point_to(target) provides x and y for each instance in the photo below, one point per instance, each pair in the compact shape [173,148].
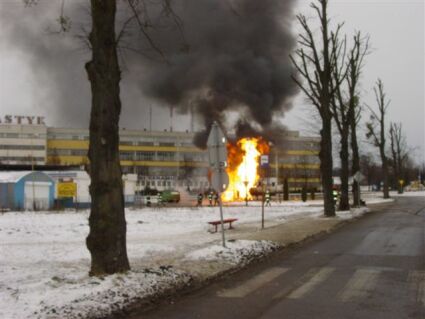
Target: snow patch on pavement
[237,252]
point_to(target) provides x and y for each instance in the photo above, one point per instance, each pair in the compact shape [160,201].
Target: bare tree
[107,238]
[376,131]
[399,153]
[316,61]
[345,105]
[356,63]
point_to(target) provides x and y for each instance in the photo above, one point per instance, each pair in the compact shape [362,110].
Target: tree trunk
[356,161]
[107,238]
[344,202]
[326,164]
[285,189]
[385,174]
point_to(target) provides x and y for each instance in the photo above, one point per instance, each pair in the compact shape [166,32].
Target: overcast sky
[396,28]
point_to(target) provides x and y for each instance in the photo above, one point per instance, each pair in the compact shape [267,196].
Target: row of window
[23,135]
[26,159]
[60,136]
[301,146]
[21,147]
[162,183]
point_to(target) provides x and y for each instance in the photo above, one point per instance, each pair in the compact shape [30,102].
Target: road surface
[372,268]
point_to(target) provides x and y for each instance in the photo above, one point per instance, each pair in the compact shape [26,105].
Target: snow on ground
[236,252]
[44,262]
[410,194]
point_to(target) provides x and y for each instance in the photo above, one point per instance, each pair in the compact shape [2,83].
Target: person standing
[215,199]
[210,197]
[200,198]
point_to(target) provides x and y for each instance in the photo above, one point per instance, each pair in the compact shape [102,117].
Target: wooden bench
[225,221]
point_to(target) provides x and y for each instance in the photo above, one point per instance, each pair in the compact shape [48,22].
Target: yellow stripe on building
[67,144]
[67,160]
[80,160]
[84,145]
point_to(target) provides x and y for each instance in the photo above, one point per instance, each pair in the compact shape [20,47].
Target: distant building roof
[12,177]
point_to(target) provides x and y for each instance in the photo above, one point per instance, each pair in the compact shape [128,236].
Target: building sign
[67,189]
[22,119]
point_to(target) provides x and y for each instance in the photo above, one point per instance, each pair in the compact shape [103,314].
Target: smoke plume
[236,59]
[225,61]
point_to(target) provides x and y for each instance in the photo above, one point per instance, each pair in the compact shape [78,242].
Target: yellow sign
[67,189]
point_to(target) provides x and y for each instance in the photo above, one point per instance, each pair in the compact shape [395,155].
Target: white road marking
[417,284]
[312,279]
[360,285]
[253,283]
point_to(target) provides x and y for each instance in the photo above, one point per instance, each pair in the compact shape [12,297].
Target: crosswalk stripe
[253,283]
[312,279]
[361,283]
[417,282]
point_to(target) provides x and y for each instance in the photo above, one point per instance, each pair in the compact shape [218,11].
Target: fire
[243,161]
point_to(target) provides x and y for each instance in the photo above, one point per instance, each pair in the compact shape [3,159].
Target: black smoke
[225,57]
[236,59]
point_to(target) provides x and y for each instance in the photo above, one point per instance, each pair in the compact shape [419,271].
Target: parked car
[170,196]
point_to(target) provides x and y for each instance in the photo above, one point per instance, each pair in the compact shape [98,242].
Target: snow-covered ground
[409,194]
[44,262]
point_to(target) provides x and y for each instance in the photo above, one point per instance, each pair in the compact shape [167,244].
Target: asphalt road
[372,268]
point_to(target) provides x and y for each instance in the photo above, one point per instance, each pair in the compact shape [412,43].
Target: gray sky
[396,28]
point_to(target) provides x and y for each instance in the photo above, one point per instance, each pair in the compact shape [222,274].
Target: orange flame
[243,161]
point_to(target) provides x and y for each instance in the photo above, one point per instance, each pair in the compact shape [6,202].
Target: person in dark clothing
[200,198]
[210,197]
[215,199]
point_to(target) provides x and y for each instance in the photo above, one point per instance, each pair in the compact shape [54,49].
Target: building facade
[160,159]
[23,144]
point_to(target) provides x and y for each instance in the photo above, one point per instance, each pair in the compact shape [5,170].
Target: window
[166,156]
[22,147]
[126,156]
[145,156]
[167,144]
[145,143]
[25,159]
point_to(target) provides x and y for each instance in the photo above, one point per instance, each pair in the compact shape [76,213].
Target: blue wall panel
[19,195]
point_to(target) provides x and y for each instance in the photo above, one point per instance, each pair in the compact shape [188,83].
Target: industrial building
[160,159]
